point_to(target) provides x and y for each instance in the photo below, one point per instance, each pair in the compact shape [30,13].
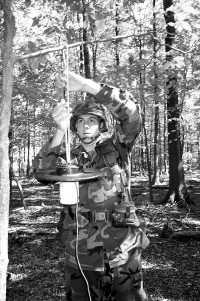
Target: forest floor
[36,260]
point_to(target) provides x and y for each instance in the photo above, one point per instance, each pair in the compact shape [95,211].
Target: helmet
[90,106]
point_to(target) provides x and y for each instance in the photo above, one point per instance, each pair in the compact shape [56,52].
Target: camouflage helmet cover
[90,106]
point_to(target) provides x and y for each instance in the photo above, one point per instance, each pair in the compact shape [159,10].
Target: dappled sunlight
[171,268]
[18,277]
[146,265]
[192,221]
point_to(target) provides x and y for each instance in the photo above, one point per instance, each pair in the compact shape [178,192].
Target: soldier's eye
[93,120]
[80,121]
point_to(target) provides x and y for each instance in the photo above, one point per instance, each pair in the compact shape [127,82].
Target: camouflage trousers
[123,283]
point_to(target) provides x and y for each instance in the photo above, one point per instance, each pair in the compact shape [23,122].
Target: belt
[94,216]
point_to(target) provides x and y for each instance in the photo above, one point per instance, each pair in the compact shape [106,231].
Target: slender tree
[155,179]
[117,32]
[142,97]
[177,188]
[5,113]
[86,38]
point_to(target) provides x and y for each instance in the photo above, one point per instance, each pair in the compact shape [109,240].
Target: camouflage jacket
[97,238]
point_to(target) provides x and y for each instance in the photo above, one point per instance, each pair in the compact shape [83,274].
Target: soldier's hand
[61,115]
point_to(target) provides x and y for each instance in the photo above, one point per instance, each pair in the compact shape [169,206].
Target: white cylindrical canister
[69,193]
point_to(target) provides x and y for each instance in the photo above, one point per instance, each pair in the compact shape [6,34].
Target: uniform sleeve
[124,108]
[62,232]
[46,158]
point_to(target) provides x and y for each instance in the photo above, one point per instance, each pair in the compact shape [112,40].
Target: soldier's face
[87,127]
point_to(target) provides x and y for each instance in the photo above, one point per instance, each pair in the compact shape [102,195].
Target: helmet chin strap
[90,145]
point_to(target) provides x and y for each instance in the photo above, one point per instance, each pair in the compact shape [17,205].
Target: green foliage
[46,24]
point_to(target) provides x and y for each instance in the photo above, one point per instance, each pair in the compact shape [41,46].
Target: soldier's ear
[101,125]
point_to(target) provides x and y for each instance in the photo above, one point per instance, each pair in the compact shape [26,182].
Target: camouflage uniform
[108,255]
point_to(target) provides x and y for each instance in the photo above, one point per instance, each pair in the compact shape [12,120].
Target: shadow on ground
[36,259]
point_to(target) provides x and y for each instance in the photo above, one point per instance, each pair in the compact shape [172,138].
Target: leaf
[23,49]
[171,8]
[96,16]
[59,7]
[27,3]
[126,2]
[131,59]
[161,100]
[168,65]
[92,16]
[57,29]
[36,21]
[42,59]
[186,26]
[34,64]
[196,25]
[80,9]
[47,31]
[32,46]
[109,66]
[99,25]
[179,61]
[195,36]
[143,61]
[171,23]
[190,10]
[71,35]
[126,25]
[51,57]
[92,21]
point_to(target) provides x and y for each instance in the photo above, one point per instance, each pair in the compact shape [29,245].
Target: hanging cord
[77,258]
[67,142]
[67,129]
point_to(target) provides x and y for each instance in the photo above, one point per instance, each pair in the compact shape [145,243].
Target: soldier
[110,237]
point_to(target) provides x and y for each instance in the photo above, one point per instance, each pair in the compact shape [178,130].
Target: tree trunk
[142,143]
[148,161]
[10,136]
[81,47]
[94,59]
[165,140]
[27,146]
[5,112]
[28,153]
[177,188]
[86,47]
[142,97]
[117,31]
[19,160]
[155,179]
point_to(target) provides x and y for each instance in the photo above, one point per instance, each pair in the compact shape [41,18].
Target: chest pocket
[108,187]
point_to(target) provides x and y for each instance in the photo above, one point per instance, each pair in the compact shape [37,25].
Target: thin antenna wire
[67,142]
[77,258]
[67,129]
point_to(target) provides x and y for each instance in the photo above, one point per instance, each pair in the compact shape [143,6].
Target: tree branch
[61,47]
[167,45]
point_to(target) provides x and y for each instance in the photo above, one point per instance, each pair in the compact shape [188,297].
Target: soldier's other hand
[75,82]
